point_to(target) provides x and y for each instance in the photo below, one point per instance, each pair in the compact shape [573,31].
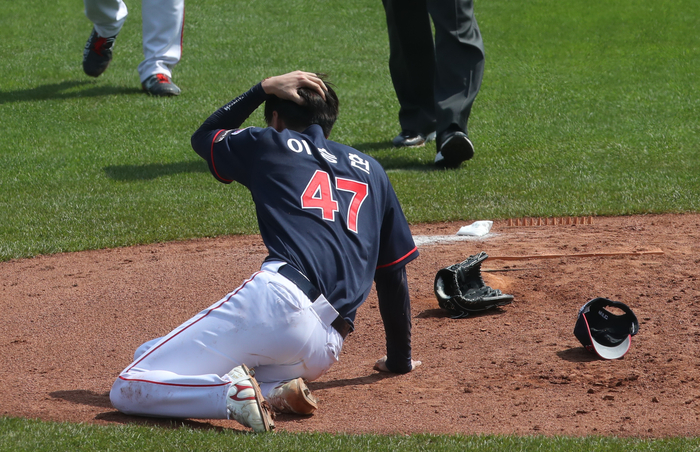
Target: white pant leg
[273,375]
[107,16]
[163,22]
[267,324]
[143,348]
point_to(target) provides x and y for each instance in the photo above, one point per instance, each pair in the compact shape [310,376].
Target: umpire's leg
[412,62]
[459,62]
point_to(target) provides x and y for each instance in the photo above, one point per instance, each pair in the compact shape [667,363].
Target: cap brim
[607,352]
[612,352]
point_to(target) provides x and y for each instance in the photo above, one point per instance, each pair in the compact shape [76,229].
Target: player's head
[314,111]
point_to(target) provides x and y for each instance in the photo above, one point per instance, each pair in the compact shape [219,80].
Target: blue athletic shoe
[97,54]
[160,85]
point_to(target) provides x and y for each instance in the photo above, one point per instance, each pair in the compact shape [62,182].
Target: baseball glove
[460,288]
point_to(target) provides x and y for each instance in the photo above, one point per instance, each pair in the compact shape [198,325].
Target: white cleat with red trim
[245,402]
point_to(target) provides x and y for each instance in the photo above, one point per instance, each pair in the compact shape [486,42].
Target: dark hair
[314,111]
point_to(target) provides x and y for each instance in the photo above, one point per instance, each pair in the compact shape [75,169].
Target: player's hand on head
[285,86]
[380,365]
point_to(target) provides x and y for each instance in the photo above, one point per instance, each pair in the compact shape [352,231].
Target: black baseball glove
[460,288]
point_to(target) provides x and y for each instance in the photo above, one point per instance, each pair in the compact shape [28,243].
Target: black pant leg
[459,61]
[412,62]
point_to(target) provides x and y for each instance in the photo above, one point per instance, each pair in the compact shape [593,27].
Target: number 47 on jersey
[319,195]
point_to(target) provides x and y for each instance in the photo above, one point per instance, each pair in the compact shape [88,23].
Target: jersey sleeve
[396,248]
[209,141]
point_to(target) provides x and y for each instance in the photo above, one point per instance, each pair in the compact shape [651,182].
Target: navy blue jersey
[323,207]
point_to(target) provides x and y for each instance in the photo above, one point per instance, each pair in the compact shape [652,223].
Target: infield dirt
[72,321]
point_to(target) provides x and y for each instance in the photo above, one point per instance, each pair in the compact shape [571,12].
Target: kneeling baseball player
[332,224]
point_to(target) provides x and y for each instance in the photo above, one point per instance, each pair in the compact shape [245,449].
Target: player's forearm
[230,116]
[395,309]
[233,114]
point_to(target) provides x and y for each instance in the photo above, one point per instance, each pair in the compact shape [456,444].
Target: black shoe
[453,149]
[412,139]
[160,85]
[97,54]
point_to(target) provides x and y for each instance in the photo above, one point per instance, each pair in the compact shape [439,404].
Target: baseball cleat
[97,54]
[293,397]
[412,139]
[453,150]
[245,402]
[160,85]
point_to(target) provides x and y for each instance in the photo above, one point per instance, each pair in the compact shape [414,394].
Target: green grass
[17,435]
[587,108]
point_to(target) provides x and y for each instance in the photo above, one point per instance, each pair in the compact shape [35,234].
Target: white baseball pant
[267,324]
[162,23]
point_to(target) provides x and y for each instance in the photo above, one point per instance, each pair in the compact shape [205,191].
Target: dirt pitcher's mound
[71,322]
